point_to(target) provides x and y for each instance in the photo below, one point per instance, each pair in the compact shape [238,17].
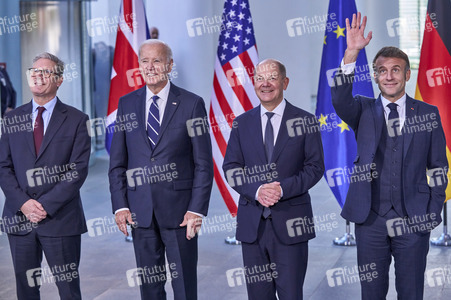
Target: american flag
[233,91]
[132,30]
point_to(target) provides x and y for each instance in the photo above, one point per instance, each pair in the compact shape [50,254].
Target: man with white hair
[161,174]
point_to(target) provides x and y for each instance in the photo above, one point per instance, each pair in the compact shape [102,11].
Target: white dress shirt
[46,114]
[276,121]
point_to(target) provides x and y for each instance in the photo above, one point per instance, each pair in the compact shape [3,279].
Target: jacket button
[34,194]
[152,159]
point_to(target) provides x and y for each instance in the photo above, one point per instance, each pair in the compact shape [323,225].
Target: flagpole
[347,239]
[445,239]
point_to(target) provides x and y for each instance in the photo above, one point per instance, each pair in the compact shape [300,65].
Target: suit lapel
[411,112]
[57,118]
[141,109]
[282,136]
[379,119]
[27,110]
[171,106]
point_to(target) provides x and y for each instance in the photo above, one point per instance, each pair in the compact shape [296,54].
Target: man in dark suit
[402,140]
[272,168]
[44,157]
[162,173]
[7,92]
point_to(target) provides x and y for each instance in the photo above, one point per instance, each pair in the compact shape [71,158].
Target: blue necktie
[153,122]
[269,137]
[269,147]
[392,116]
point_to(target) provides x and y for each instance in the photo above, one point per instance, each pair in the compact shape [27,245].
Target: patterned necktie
[394,123]
[153,122]
[38,132]
[269,147]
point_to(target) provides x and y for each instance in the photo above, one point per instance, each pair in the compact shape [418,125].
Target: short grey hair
[280,65]
[59,63]
[156,42]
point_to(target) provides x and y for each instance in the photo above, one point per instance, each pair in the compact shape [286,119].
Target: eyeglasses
[41,72]
[270,78]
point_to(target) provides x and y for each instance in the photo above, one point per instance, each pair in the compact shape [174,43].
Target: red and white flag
[233,91]
[132,30]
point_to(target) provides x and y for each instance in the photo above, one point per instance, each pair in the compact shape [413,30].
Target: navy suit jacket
[53,177]
[422,150]
[298,164]
[151,185]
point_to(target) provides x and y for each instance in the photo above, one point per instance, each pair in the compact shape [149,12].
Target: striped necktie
[153,122]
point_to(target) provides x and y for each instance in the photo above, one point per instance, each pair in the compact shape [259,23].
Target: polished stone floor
[106,256]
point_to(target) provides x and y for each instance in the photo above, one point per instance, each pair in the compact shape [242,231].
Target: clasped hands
[269,194]
[34,211]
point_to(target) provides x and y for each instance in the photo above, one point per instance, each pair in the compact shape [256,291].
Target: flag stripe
[239,90]
[128,10]
[218,159]
[247,82]
[442,11]
[229,94]
[248,64]
[231,205]
[222,144]
[225,107]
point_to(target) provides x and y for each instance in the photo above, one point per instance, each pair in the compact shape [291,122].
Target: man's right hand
[122,217]
[34,211]
[355,38]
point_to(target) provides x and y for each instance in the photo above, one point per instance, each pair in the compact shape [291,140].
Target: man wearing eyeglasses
[44,155]
[273,163]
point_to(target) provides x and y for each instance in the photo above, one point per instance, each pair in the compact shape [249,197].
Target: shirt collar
[163,94]
[49,106]
[401,101]
[278,110]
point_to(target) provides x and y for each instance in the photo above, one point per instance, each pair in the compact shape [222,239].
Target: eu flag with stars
[339,143]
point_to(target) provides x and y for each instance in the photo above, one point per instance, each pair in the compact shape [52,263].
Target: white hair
[155,42]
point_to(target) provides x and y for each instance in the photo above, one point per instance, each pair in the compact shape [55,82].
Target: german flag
[434,73]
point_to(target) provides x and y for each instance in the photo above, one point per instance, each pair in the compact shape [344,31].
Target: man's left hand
[193,223]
